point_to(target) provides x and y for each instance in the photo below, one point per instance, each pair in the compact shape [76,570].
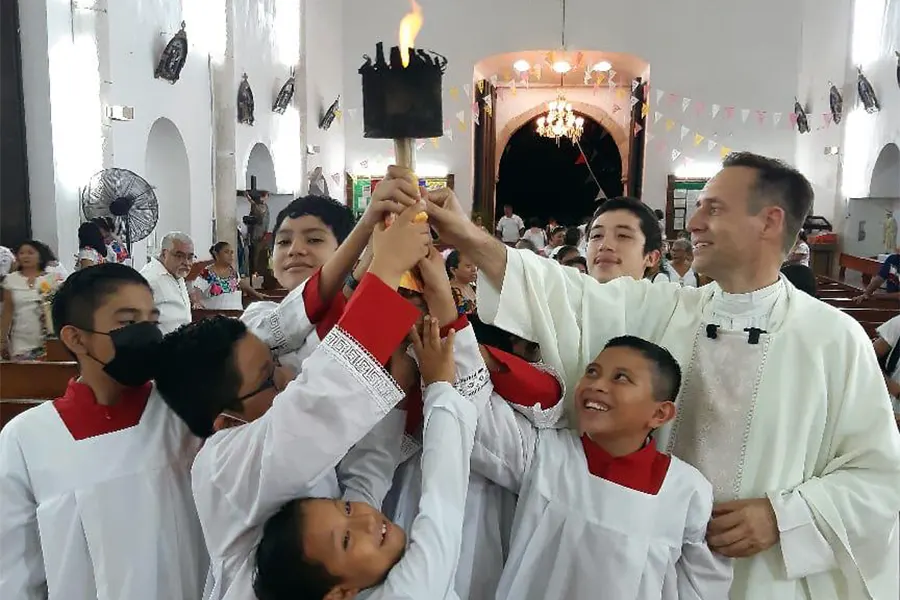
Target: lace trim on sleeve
[359,362]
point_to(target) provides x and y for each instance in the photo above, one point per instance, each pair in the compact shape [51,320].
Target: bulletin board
[359,189]
[681,202]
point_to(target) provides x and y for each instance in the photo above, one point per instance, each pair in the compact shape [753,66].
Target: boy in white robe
[294,433]
[604,510]
[322,549]
[95,497]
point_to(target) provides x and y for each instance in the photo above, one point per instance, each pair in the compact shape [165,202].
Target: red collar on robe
[84,418]
[643,471]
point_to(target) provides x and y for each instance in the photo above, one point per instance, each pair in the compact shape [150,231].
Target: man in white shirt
[510,227]
[805,469]
[166,277]
[887,348]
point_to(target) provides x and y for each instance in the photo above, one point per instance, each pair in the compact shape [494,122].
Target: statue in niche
[867,93]
[283,100]
[245,102]
[318,186]
[890,232]
[173,57]
[836,102]
[802,121]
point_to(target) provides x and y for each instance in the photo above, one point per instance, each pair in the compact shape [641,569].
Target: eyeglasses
[182,256]
[267,384]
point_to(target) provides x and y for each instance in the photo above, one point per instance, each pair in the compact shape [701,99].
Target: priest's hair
[283,571]
[335,215]
[666,372]
[86,290]
[197,375]
[778,184]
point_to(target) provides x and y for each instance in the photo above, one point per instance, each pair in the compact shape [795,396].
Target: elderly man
[166,277]
[783,406]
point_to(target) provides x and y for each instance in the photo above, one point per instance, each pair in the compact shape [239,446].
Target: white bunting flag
[634,84]
[776,118]
[467,88]
[685,102]
[364,164]
[494,80]
[715,110]
[587,77]
[650,136]
[488,105]
[612,74]
[461,116]
[684,131]
[634,101]
[449,134]
[675,155]
[657,116]
[659,95]
[420,144]
[745,114]
[351,113]
[710,144]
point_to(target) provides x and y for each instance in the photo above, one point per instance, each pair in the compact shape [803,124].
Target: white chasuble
[821,444]
[114,512]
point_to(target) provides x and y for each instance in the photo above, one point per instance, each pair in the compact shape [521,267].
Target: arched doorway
[541,179]
[167,169]
[260,164]
[885,181]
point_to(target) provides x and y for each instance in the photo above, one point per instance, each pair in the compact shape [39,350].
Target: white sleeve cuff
[803,547]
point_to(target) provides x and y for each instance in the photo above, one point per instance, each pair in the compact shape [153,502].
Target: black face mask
[137,351]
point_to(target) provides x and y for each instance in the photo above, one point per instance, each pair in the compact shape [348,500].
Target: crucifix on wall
[257,223]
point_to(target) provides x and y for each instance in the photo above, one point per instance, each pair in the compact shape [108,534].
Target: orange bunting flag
[436,142]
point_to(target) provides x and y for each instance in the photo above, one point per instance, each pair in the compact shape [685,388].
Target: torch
[402,98]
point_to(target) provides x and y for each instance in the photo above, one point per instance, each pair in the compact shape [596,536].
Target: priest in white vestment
[783,407]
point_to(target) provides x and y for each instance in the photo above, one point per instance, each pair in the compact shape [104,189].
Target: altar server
[95,497]
[322,549]
[295,434]
[805,469]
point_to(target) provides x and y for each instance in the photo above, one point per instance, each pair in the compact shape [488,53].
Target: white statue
[890,233]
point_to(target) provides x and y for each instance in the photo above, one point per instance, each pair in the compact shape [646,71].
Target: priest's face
[353,541]
[616,247]
[302,245]
[615,397]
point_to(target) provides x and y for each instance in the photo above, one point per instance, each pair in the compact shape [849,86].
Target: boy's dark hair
[648,221]
[334,214]
[777,184]
[197,375]
[45,254]
[802,277]
[573,236]
[563,251]
[576,260]
[534,222]
[666,371]
[86,290]
[283,571]
[216,248]
[89,236]
[557,229]
[451,262]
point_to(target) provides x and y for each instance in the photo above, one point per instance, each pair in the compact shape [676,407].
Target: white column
[225,121]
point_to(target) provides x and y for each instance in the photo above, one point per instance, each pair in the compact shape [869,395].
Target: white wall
[325,26]
[741,54]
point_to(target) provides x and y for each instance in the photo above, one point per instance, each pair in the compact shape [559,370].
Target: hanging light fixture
[560,121]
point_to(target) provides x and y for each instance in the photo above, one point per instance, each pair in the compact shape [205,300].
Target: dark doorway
[540,179]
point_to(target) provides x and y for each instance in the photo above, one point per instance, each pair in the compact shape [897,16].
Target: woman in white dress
[680,270]
[220,285]
[25,317]
[92,249]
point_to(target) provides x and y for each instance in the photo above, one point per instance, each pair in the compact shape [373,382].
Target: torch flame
[409,28]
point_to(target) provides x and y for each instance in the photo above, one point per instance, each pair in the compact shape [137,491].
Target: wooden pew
[56,351]
[27,384]
[871,315]
[868,267]
[847,302]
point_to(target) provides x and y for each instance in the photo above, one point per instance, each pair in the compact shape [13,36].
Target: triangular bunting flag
[724,151]
[580,160]
[610,83]
[659,95]
[729,112]
[745,114]
[675,155]
[710,144]
[761,116]
[364,164]
[827,118]
[538,71]
[634,84]
[338,115]
[684,131]
[612,74]
[616,108]
[671,98]
[351,113]
[449,134]
[494,79]
[776,118]
[645,110]
[461,116]
[637,128]
[436,142]
[685,102]
[697,139]
[420,144]
[657,116]
[488,105]
[587,77]
[715,110]
[479,85]
[512,86]
[599,78]
[454,92]
[669,124]
[620,92]
[793,118]
[501,93]
[699,107]
[467,88]
[524,76]
[650,136]
[336,178]
[634,101]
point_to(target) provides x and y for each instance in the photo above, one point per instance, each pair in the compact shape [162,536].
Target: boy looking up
[95,498]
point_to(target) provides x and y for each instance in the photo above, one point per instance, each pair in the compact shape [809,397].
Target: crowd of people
[582,419]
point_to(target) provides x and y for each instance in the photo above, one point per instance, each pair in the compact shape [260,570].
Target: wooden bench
[871,315]
[27,384]
[56,351]
[847,302]
[868,267]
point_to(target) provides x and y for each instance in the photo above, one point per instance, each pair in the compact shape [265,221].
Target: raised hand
[446,215]
[436,361]
[395,192]
[437,292]
[400,246]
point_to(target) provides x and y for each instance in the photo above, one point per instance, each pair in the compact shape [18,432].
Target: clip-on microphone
[754,332]
[712,331]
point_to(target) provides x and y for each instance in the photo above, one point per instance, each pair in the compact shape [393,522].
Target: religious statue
[802,121]
[890,232]
[318,186]
[898,67]
[257,223]
[173,57]
[283,100]
[867,93]
[245,102]
[836,102]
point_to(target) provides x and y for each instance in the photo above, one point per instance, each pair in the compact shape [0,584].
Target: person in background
[577,262]
[479,222]
[535,234]
[889,275]
[575,237]
[661,219]
[887,348]
[566,253]
[800,252]
[116,251]
[25,321]
[510,227]
[552,224]
[802,278]
[95,485]
[679,266]
[166,274]
[219,284]
[524,244]
[257,227]
[462,274]
[623,240]
[557,238]
[92,249]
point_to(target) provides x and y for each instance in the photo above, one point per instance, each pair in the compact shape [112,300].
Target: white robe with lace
[808,419]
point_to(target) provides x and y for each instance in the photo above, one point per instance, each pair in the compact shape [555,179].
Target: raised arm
[367,471]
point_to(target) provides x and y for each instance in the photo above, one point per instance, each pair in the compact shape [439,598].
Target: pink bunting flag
[715,110]
[761,116]
[637,128]
[699,108]
[792,117]
[827,117]
[671,97]
[729,112]
[420,144]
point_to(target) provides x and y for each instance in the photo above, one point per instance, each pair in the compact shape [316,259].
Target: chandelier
[560,121]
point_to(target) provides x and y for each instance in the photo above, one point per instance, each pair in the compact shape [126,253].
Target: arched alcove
[167,169]
[885,181]
[260,164]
